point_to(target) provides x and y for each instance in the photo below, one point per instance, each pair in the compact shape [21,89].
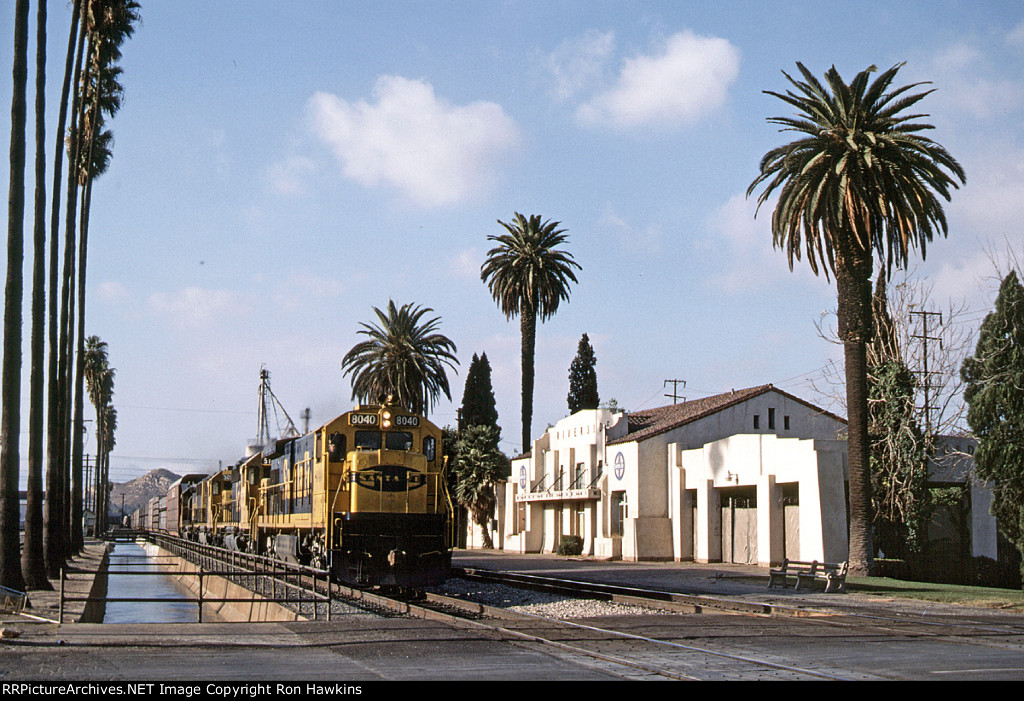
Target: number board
[411,421]
[362,419]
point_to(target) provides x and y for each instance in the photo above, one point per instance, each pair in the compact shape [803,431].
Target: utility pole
[675,387]
[305,421]
[925,372]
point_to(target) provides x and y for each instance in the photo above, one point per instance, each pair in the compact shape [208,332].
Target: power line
[190,411]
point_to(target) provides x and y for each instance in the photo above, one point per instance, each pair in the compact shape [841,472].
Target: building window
[785,423]
[771,419]
[757,421]
[578,482]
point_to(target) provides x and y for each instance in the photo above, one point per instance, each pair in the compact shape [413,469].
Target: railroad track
[966,627]
[708,638]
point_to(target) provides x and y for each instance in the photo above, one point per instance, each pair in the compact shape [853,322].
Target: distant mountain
[139,491]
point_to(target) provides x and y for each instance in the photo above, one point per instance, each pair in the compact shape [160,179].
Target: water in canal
[130,556]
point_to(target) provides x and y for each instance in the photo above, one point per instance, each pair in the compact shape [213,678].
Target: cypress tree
[478,405]
[995,407]
[583,378]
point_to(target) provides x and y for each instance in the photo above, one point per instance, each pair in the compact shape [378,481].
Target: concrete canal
[170,608]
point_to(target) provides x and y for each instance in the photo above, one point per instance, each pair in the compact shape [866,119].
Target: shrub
[570,545]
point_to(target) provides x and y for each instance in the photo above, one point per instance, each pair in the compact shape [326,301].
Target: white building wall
[766,462]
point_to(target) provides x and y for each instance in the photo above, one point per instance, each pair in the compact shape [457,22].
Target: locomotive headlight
[387,419]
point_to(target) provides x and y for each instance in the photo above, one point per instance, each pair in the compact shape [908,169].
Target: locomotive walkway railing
[288,584]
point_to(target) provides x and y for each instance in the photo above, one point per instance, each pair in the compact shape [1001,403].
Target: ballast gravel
[537,603]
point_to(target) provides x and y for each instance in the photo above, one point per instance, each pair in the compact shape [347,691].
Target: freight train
[363,496]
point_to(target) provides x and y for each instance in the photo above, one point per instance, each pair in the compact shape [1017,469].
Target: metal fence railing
[270,580]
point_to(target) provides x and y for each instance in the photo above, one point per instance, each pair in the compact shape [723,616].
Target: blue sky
[281,168]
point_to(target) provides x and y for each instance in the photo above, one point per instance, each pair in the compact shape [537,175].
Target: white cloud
[738,250]
[113,292]
[434,152]
[195,307]
[289,176]
[630,236]
[687,79]
[466,264]
[967,79]
[1015,37]
[577,63]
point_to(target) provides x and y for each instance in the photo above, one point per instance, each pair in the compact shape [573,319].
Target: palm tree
[10,404]
[106,24]
[404,359]
[33,562]
[56,424]
[861,181]
[479,465]
[99,378]
[528,277]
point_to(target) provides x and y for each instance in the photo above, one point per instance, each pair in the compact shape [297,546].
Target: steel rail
[497,612]
[655,598]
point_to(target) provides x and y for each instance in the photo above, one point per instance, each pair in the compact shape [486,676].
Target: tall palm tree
[99,379]
[860,182]
[528,277]
[33,563]
[10,404]
[404,359]
[56,425]
[106,25]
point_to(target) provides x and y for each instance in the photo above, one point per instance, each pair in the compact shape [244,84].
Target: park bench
[832,573]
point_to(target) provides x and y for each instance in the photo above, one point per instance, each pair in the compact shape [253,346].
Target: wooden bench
[832,573]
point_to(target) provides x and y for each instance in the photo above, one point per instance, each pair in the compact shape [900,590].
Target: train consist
[363,495]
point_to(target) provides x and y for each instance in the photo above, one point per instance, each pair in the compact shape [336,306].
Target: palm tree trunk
[853,282]
[55,428]
[10,422]
[33,563]
[78,448]
[528,328]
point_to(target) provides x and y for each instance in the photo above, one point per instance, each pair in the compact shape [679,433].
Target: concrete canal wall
[255,609]
[94,611]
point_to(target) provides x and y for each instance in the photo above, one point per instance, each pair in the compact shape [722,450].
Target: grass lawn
[1012,599]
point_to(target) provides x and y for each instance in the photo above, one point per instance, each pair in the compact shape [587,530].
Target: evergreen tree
[583,378]
[478,405]
[994,377]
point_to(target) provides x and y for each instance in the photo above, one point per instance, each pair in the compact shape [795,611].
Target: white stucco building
[750,476]
[710,480]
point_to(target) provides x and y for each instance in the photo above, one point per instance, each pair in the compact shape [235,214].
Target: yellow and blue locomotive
[363,495]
